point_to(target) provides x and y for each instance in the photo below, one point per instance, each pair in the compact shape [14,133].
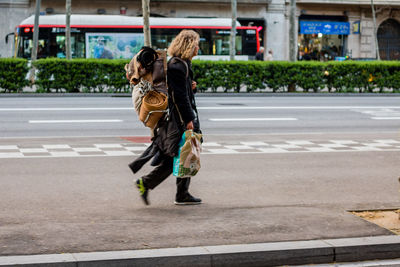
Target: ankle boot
[183,197]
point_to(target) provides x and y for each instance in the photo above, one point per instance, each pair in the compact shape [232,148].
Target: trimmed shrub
[13,74]
[104,75]
[81,75]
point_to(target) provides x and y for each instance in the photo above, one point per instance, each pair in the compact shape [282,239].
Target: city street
[273,169]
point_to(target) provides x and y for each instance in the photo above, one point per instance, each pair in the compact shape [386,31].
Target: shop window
[321,47]
[323,39]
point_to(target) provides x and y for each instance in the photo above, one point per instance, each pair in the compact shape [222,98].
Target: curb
[7,95]
[262,254]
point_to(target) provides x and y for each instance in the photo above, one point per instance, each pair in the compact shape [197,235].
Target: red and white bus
[115,36]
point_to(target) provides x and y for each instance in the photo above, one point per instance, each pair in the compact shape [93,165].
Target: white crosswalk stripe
[217,148]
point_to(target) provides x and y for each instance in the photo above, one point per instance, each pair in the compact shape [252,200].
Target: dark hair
[147,57]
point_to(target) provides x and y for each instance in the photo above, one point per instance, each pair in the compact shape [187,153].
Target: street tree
[68,29]
[146,24]
[232,44]
[35,40]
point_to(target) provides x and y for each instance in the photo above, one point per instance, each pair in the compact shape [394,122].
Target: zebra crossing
[214,148]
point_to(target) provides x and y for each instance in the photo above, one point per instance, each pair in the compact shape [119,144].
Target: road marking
[254,143]
[385,118]
[253,119]
[72,121]
[299,107]
[62,109]
[56,146]
[205,108]
[107,145]
[227,148]
[8,147]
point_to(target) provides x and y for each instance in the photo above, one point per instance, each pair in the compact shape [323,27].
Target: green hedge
[13,74]
[349,76]
[81,75]
[102,75]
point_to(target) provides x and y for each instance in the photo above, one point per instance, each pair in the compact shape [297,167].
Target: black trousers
[159,173]
[163,169]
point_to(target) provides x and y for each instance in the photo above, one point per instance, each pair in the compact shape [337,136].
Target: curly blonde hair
[184,44]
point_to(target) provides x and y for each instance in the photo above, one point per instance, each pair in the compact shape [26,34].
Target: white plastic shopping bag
[187,162]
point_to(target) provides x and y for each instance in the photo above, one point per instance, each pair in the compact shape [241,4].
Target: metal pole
[232,46]
[292,32]
[146,24]
[36,32]
[378,56]
[68,29]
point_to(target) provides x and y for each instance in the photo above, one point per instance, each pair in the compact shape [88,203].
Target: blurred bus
[115,36]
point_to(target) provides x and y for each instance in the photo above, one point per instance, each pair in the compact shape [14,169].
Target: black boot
[183,197]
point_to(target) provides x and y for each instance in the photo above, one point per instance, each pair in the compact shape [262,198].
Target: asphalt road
[65,185]
[72,116]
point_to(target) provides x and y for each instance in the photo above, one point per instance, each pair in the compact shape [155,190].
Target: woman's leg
[154,178]
[159,173]
[183,197]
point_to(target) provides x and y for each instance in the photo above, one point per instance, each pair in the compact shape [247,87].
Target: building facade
[315,21]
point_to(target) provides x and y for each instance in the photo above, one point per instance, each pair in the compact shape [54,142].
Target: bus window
[249,42]
[26,45]
[221,42]
[60,40]
[238,44]
[78,46]
[162,38]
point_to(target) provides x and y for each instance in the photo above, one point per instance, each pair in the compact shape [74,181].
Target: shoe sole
[187,203]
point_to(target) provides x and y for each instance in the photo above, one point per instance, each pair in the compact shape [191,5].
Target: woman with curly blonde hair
[184,45]
[181,90]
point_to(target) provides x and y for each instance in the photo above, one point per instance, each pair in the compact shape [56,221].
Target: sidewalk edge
[265,254]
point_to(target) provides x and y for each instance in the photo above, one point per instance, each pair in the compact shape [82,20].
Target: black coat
[180,77]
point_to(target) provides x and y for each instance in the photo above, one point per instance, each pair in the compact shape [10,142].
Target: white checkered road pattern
[134,149]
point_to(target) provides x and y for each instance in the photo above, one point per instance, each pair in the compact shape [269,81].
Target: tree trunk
[378,56]
[68,29]
[35,40]
[232,46]
[292,32]
[146,24]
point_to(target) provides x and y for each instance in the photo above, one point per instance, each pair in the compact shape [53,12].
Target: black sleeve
[176,76]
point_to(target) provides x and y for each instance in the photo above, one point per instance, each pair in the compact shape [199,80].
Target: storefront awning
[324,27]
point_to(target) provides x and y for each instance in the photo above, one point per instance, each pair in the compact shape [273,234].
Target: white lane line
[385,118]
[253,119]
[207,108]
[72,121]
[299,107]
[63,109]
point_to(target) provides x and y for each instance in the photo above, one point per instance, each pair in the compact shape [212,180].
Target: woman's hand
[194,84]
[190,126]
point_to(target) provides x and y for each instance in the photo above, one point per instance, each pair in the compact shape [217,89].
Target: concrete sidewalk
[270,203]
